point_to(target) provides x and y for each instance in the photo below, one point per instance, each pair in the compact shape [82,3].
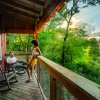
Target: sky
[89,15]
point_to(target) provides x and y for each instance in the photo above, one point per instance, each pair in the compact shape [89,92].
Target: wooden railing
[59,83]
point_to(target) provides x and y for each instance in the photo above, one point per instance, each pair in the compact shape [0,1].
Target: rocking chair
[4,81]
[5,78]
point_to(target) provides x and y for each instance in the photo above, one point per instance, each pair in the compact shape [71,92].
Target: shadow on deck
[23,91]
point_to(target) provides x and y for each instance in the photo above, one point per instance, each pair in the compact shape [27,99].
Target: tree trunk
[65,38]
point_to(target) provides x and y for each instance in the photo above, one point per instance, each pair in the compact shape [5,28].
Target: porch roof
[26,16]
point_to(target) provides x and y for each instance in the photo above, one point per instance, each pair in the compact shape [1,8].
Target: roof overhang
[26,16]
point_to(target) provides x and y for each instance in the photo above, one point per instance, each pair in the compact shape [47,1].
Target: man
[12,61]
[11,58]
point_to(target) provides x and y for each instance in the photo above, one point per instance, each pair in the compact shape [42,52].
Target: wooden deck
[23,91]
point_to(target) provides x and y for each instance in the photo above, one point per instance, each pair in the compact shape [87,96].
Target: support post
[35,32]
[52,88]
[35,35]
[3,47]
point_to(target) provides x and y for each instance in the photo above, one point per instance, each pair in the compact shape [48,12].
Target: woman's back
[35,52]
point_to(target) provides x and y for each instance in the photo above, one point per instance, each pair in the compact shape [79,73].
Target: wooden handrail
[23,53]
[80,87]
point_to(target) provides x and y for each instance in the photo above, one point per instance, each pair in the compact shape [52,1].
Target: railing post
[59,91]
[38,72]
[52,88]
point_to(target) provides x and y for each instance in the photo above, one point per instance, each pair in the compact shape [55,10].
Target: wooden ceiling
[26,16]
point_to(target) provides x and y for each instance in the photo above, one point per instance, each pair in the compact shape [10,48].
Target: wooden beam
[16,5]
[52,9]
[38,2]
[18,9]
[15,24]
[18,14]
[25,18]
[21,31]
[18,24]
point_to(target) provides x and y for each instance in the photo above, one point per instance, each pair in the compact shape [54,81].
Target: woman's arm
[39,51]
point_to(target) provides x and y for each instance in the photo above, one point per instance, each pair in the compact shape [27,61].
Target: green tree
[19,42]
[67,14]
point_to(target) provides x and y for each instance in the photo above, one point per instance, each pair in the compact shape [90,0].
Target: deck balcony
[51,82]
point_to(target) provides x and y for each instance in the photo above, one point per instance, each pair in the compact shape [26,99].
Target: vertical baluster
[52,88]
[38,72]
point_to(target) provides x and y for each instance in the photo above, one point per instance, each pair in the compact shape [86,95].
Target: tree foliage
[77,52]
[19,42]
[68,47]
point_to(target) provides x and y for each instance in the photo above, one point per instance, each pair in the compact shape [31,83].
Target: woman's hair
[35,42]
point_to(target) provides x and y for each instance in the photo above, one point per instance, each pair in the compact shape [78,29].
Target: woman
[36,52]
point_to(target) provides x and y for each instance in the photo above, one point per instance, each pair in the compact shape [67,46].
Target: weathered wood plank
[23,91]
[4,98]
[36,90]
[21,95]
[27,92]
[12,96]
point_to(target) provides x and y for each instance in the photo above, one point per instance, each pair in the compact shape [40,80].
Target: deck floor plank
[23,91]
